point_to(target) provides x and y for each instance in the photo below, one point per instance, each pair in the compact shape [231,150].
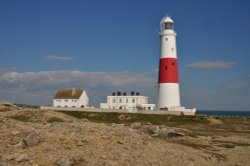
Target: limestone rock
[135,125]
[165,131]
[15,132]
[22,157]
[117,125]
[10,156]
[121,141]
[31,140]
[62,162]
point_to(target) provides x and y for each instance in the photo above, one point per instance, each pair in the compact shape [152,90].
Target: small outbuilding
[71,98]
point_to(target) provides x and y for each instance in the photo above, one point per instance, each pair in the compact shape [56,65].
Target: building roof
[68,94]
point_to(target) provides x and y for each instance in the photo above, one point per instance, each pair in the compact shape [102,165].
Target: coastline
[223,113]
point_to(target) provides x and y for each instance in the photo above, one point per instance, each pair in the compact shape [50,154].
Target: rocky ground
[30,136]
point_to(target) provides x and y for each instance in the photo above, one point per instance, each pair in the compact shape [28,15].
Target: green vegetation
[5,109]
[219,156]
[231,143]
[126,118]
[227,146]
[54,119]
[190,144]
[21,118]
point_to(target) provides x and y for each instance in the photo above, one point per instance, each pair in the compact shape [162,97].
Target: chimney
[73,91]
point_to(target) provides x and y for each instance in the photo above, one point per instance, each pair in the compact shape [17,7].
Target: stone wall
[115,110]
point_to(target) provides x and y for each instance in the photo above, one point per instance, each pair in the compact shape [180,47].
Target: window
[66,100]
[168,25]
[120,100]
[166,39]
[172,49]
[113,100]
[133,100]
[126,100]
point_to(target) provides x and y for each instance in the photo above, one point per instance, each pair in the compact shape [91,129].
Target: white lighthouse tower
[168,90]
[168,83]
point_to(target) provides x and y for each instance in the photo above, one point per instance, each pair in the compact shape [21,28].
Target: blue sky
[105,46]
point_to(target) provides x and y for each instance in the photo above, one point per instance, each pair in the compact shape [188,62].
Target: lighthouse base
[179,110]
[184,110]
[168,95]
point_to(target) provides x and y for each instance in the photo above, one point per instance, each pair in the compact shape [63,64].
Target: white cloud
[97,84]
[211,64]
[58,58]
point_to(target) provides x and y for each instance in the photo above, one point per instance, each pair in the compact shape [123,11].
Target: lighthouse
[168,80]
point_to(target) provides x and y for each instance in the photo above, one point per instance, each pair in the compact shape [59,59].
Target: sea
[224,113]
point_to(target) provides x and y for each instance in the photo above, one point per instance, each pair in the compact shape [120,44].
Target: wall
[65,102]
[118,111]
[83,100]
[115,102]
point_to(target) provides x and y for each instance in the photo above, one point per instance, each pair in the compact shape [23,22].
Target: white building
[131,102]
[71,98]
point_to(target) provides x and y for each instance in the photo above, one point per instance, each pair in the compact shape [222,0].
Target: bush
[54,119]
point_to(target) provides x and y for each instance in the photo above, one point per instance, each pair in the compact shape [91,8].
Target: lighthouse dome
[167,23]
[166,19]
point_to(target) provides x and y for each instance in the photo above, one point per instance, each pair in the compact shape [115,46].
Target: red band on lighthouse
[168,70]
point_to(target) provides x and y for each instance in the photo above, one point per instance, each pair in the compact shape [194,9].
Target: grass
[126,118]
[231,143]
[54,119]
[190,144]
[204,147]
[227,146]
[5,109]
[21,118]
[219,156]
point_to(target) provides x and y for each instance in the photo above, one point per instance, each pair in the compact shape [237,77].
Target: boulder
[164,131]
[62,162]
[135,125]
[22,157]
[31,140]
[117,124]
[10,156]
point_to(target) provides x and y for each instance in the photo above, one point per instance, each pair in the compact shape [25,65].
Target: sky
[113,45]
